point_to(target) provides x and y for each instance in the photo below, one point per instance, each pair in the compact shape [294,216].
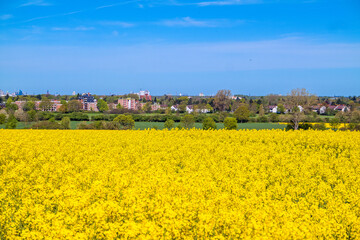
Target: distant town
[143,100]
[296,108]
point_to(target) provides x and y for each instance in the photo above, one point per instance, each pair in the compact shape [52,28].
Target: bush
[31,115]
[125,122]
[2,118]
[42,116]
[209,124]
[319,126]
[11,122]
[65,122]
[263,119]
[77,116]
[47,125]
[274,117]
[188,121]
[84,125]
[230,123]
[335,122]
[304,126]
[169,124]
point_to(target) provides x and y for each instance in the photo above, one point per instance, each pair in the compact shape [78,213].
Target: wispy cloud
[80,28]
[190,22]
[51,16]
[42,3]
[227,2]
[35,3]
[186,22]
[117,4]
[5,16]
[117,24]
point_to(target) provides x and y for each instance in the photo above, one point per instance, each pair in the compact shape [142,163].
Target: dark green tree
[188,121]
[2,118]
[125,122]
[11,122]
[28,106]
[74,106]
[209,124]
[230,123]
[65,122]
[169,124]
[45,104]
[242,113]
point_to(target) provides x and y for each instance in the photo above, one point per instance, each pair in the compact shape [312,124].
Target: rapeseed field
[179,184]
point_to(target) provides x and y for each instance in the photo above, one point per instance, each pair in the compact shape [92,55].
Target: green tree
[355,116]
[147,107]
[28,106]
[242,113]
[74,106]
[31,115]
[209,107]
[11,122]
[102,105]
[125,122]
[168,111]
[281,108]
[261,110]
[274,117]
[64,107]
[335,123]
[169,124]
[222,100]
[10,107]
[296,98]
[188,121]
[2,118]
[209,124]
[183,104]
[119,106]
[65,122]
[45,104]
[230,123]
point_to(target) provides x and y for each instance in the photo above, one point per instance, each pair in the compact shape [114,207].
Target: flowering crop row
[179,184]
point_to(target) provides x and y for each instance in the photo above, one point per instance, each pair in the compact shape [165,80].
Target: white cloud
[117,23]
[117,4]
[187,22]
[72,29]
[6,16]
[227,2]
[190,22]
[35,3]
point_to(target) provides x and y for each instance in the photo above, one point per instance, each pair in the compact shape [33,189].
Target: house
[20,104]
[203,110]
[56,104]
[128,103]
[89,103]
[301,109]
[273,108]
[189,109]
[155,107]
[144,95]
[342,108]
[322,110]
[175,108]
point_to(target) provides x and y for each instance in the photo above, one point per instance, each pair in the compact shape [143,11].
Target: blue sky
[251,47]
